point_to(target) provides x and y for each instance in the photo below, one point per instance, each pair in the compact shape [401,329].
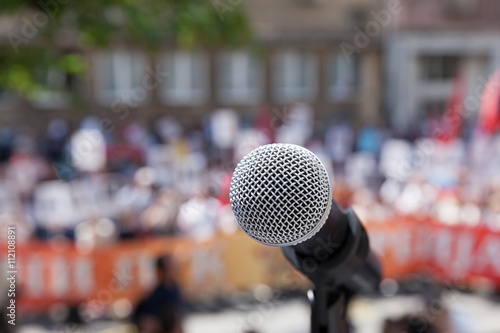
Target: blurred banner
[462,255]
[52,273]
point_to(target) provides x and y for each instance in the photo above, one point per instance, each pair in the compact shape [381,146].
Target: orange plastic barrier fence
[49,273]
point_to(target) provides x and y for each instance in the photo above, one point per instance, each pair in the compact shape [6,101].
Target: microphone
[281,195]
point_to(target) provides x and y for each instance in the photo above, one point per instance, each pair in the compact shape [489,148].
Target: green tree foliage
[38,41]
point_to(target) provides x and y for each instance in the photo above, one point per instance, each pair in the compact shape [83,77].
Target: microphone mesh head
[280,194]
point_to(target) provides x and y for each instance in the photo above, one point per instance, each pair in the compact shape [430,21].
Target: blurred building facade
[299,59]
[430,43]
[366,60]
[307,43]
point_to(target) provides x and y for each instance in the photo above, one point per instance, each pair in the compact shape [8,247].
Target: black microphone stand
[349,268]
[328,310]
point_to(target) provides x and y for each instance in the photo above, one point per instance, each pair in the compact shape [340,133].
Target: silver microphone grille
[280,194]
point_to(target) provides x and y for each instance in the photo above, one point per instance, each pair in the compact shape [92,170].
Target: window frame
[167,95]
[247,95]
[289,93]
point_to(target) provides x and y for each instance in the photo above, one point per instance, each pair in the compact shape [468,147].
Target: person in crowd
[161,311]
[147,201]
[6,144]
[55,140]
[160,217]
[198,216]
[339,140]
[369,141]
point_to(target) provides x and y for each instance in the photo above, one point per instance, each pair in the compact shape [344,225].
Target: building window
[461,8]
[119,77]
[435,107]
[54,93]
[4,95]
[240,78]
[344,77]
[359,16]
[438,68]
[295,77]
[186,80]
[7,99]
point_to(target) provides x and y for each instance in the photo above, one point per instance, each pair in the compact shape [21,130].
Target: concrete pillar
[371,84]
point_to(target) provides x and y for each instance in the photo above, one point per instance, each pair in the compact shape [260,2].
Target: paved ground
[469,314]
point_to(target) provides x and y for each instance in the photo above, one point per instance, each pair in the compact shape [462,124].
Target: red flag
[266,122]
[489,113]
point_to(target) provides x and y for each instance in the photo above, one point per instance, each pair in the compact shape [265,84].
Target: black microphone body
[338,260]
[338,255]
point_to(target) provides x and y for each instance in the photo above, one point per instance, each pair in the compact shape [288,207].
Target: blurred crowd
[97,183]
